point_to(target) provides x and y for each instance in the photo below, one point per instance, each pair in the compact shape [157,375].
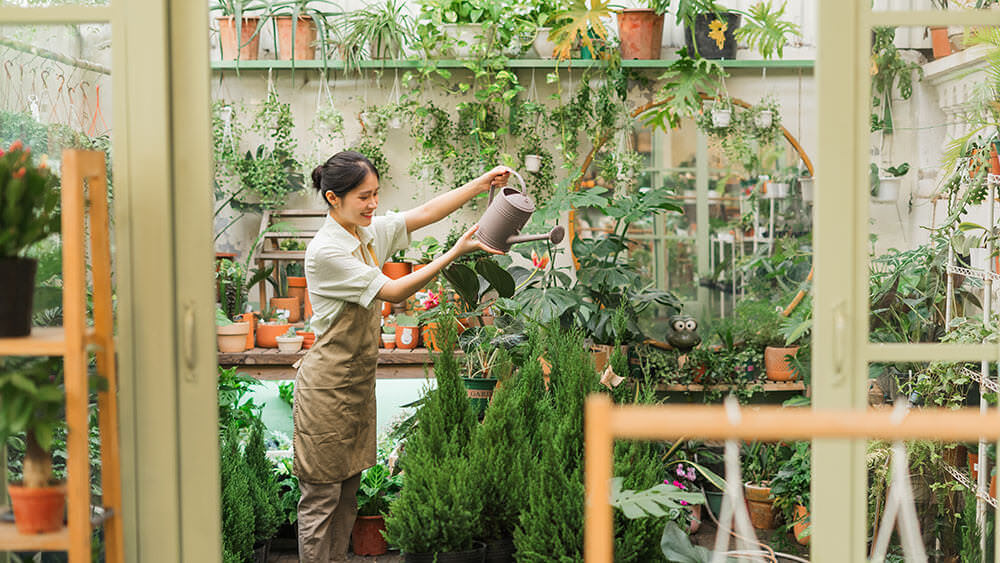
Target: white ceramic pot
[979,258]
[888,189]
[532,162]
[763,119]
[808,189]
[721,117]
[232,339]
[465,36]
[289,344]
[777,190]
[544,47]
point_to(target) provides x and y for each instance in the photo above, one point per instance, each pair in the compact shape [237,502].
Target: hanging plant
[763,121]
[371,147]
[431,130]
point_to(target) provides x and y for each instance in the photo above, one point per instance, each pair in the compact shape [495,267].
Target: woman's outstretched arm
[444,204]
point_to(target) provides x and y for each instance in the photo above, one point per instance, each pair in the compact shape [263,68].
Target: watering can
[506,215]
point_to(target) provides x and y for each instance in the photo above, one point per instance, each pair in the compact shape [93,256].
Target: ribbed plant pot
[500,550]
[776,367]
[475,555]
[308,339]
[249,42]
[480,392]
[290,304]
[38,510]
[289,344]
[760,506]
[366,537]
[232,339]
[17,289]
[305,35]
[641,34]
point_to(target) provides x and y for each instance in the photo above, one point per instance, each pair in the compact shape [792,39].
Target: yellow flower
[718,32]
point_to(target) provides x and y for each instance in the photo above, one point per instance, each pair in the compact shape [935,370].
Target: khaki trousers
[326,517]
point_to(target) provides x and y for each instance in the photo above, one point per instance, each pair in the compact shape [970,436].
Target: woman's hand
[467,244]
[494,178]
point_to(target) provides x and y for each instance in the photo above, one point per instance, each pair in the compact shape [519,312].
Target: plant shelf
[770,386]
[12,540]
[513,63]
[967,483]
[971,273]
[43,341]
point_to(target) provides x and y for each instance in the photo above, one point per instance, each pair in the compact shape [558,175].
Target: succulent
[29,201]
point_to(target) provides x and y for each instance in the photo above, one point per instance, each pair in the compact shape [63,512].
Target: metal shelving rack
[983,377]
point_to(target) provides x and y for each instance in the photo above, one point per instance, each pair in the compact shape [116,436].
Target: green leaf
[499,279]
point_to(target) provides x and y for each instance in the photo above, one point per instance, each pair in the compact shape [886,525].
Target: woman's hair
[342,173]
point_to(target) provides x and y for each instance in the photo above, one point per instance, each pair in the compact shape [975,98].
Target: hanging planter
[776,190]
[888,189]
[808,189]
[721,118]
[395,122]
[763,119]
[532,162]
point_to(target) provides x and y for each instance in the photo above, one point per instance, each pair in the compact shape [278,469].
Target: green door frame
[163,219]
[841,347]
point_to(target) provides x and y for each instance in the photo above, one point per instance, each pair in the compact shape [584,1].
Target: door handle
[189,341]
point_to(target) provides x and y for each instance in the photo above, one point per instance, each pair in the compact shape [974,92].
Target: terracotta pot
[641,33]
[939,41]
[386,308]
[305,35]
[249,40]
[407,337]
[367,536]
[418,266]
[232,339]
[388,341]
[38,510]
[429,335]
[695,510]
[250,319]
[775,365]
[994,160]
[297,289]
[290,304]
[267,334]
[396,270]
[308,339]
[761,507]
[801,523]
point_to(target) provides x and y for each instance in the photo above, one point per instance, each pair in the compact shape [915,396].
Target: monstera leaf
[581,21]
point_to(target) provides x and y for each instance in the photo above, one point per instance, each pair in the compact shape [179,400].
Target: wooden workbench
[269,364]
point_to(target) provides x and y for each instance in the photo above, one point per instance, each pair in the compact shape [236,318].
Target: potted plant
[231,337]
[712,31]
[295,40]
[760,464]
[808,186]
[380,29]
[378,488]
[429,248]
[274,323]
[760,327]
[239,34]
[885,188]
[289,342]
[29,196]
[397,266]
[407,332]
[790,490]
[641,30]
[33,400]
[282,299]
[389,336]
[308,336]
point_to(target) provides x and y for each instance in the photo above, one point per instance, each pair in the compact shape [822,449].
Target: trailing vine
[888,69]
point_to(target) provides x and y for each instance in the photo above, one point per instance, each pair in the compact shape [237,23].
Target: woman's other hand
[494,178]
[467,243]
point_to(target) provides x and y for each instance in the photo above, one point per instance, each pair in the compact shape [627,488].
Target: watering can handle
[524,187]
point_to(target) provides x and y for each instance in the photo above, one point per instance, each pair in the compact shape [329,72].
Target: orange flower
[539,263]
[45,162]
[20,172]
[15,145]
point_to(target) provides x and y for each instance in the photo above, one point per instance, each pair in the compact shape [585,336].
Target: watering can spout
[554,236]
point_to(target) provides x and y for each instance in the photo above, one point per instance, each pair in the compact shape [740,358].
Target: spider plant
[380,30]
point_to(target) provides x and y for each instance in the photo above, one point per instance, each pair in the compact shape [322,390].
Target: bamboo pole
[53,56]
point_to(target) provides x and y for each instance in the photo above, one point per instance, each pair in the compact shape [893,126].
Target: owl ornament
[682,333]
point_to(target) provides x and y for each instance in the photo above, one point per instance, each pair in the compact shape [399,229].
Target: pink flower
[691,474]
[680,470]
[432,300]
[683,503]
[679,485]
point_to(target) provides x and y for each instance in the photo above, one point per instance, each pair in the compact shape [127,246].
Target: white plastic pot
[544,47]
[532,162]
[808,189]
[979,259]
[763,119]
[289,344]
[888,189]
[465,36]
[777,190]
[395,122]
[721,117]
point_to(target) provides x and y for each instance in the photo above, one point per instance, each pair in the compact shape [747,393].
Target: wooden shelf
[513,63]
[43,341]
[767,387]
[12,540]
[271,356]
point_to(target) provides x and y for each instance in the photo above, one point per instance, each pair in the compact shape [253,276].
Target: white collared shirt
[340,268]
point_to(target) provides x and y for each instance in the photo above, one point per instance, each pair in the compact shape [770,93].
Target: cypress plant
[263,487]
[237,509]
[439,508]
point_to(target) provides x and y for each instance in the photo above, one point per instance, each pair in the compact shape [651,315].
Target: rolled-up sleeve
[337,274]
[391,235]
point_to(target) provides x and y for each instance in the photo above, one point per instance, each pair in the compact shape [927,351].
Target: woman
[334,410]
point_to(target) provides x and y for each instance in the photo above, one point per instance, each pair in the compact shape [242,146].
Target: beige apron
[334,406]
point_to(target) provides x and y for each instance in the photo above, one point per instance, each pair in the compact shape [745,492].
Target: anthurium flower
[539,263]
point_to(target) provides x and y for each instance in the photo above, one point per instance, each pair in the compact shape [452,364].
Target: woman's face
[357,207]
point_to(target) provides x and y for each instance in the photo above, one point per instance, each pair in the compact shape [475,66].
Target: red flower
[432,300]
[20,172]
[15,145]
[539,263]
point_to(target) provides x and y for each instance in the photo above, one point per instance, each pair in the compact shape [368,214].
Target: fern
[765,31]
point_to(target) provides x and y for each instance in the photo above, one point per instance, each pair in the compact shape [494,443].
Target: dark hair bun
[317,177]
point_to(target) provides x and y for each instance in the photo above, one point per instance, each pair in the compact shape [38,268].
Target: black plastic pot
[475,555]
[707,46]
[17,287]
[500,550]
